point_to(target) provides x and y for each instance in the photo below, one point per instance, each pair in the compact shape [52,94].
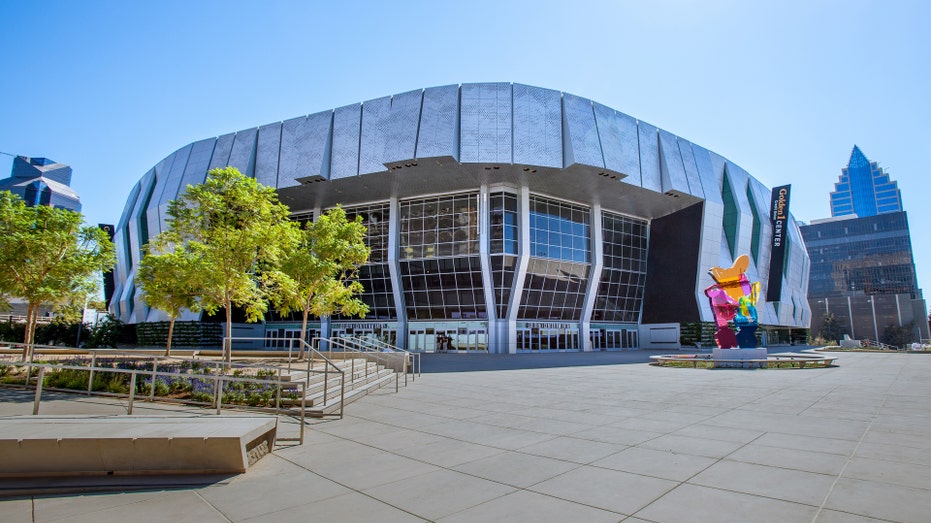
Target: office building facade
[503,217]
[40,181]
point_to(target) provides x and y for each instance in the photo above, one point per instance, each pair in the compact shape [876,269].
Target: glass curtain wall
[503,247]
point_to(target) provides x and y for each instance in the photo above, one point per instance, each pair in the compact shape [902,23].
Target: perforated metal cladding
[137,218]
[691,170]
[121,237]
[581,133]
[537,126]
[170,192]
[344,161]
[221,152]
[710,188]
[267,150]
[439,123]
[649,157]
[303,148]
[196,170]
[375,121]
[485,134]
[619,143]
[674,178]
[242,156]
[401,134]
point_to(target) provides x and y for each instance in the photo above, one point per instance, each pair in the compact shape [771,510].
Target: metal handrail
[414,357]
[218,380]
[346,347]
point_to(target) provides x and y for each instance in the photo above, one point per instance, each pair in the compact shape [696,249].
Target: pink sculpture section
[734,298]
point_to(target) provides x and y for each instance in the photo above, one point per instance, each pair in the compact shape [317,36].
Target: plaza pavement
[607,438]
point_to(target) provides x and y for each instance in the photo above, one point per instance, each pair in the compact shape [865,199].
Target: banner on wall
[779,217]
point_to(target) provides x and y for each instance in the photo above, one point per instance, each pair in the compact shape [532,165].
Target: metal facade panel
[619,143]
[739,179]
[344,161]
[376,116]
[221,152]
[267,153]
[580,133]
[197,165]
[649,157]
[673,171]
[304,144]
[486,131]
[138,214]
[439,123]
[401,134]
[242,155]
[691,169]
[169,178]
[710,188]
[537,133]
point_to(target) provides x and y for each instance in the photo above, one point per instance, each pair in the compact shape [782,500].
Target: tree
[48,257]
[830,327]
[238,231]
[165,276]
[322,268]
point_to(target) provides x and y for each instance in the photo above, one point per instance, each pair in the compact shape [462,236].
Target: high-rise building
[864,189]
[862,267]
[41,181]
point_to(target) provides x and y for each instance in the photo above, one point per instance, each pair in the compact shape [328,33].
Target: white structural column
[484,217]
[594,279]
[394,269]
[520,273]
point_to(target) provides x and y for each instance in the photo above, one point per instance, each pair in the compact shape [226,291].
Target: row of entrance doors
[448,340]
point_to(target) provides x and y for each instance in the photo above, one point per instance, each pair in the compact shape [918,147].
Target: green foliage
[106,333]
[186,334]
[233,232]
[898,336]
[164,275]
[322,267]
[830,328]
[49,257]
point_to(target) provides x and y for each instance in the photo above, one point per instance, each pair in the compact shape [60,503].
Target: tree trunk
[171,330]
[31,317]
[228,344]
[300,354]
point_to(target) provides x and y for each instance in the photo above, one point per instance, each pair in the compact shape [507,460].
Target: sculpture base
[740,358]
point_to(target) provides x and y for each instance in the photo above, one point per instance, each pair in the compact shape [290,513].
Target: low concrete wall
[40,446]
[659,336]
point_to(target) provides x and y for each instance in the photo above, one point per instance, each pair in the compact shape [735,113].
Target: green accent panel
[755,239]
[730,215]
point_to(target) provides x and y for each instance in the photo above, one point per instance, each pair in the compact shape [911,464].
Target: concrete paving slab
[153,506]
[891,472]
[572,449]
[348,508]
[659,464]
[880,500]
[530,507]
[438,494]
[696,504]
[772,482]
[610,490]
[516,469]
[804,460]
[710,448]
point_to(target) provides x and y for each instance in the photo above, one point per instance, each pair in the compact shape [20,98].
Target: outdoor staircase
[323,390]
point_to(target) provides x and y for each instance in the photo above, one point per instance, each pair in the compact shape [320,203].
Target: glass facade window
[559,230]
[444,288]
[439,226]
[864,189]
[623,277]
[554,290]
[374,276]
[503,223]
[502,273]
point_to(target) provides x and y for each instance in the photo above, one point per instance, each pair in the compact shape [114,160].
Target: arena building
[501,217]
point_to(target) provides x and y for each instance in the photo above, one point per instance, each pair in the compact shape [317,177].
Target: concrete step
[332,405]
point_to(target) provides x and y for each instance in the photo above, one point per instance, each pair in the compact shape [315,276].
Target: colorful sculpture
[733,298]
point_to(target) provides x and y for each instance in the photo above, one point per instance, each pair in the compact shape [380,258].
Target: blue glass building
[503,217]
[864,189]
[862,267]
[40,181]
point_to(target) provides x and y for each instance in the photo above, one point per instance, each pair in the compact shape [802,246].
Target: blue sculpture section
[733,298]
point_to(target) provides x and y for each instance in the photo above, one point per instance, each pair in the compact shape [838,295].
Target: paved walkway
[612,442]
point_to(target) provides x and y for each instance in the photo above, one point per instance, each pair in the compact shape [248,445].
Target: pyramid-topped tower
[864,189]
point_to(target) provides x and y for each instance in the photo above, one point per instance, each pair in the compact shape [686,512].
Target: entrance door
[596,339]
[417,340]
[523,339]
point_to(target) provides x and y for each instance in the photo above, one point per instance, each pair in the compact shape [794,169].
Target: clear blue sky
[784,89]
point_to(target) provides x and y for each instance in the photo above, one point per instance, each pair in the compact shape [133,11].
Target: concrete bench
[42,446]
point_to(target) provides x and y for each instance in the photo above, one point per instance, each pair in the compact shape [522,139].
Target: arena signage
[779,217]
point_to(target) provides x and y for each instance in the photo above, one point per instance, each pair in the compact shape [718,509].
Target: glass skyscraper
[864,189]
[862,267]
